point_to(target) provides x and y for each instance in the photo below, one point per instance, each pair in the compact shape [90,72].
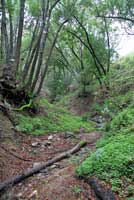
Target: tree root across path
[13,154]
[100,192]
[17,179]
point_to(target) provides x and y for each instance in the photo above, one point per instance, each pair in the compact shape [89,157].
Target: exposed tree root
[14,155]
[100,192]
[17,179]
[7,112]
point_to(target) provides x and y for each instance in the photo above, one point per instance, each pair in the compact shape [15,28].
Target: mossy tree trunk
[15,79]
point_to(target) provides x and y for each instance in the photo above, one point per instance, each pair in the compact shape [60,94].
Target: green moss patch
[112,162]
[54,120]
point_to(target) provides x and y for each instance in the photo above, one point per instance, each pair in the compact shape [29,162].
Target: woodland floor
[19,152]
[57,182]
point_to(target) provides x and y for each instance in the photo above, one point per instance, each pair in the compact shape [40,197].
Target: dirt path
[57,182]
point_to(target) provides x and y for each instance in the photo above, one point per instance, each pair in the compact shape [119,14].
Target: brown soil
[58,182]
[19,152]
[80,105]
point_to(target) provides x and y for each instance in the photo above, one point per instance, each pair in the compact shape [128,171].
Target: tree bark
[91,47]
[4,34]
[49,57]
[108,46]
[44,32]
[19,37]
[38,55]
[30,53]
[33,66]
[100,192]
[67,64]
[11,35]
[17,179]
[43,42]
[87,46]
[117,17]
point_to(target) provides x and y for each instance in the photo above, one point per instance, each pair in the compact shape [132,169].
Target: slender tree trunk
[86,45]
[67,63]
[39,48]
[33,67]
[11,35]
[43,43]
[38,52]
[15,36]
[44,32]
[99,79]
[28,65]
[82,68]
[91,47]
[19,37]
[4,34]
[2,44]
[81,57]
[49,57]
[108,45]
[30,53]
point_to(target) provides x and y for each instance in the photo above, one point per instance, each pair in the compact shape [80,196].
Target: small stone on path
[36,164]
[50,137]
[69,134]
[35,144]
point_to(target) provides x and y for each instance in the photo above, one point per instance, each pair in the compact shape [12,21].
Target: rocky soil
[19,151]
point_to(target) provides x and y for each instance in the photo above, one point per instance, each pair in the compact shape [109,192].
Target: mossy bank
[51,119]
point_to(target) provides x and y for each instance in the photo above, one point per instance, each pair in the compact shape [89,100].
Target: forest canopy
[59,41]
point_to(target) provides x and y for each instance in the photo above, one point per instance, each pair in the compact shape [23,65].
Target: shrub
[123,120]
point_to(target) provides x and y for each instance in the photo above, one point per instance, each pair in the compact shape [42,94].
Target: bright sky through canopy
[126,45]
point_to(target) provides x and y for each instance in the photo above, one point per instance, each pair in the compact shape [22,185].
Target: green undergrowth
[124,120]
[122,73]
[51,119]
[113,160]
[119,101]
[66,100]
[114,104]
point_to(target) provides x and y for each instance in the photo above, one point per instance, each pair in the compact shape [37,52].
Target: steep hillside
[113,162]
[53,129]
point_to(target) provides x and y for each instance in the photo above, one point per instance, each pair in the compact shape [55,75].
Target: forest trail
[56,182]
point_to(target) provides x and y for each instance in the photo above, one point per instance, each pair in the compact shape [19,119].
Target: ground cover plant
[52,120]
[113,161]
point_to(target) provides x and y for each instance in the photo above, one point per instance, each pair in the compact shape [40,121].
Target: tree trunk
[90,51]
[19,37]
[4,34]
[33,66]
[11,36]
[91,47]
[49,57]
[100,192]
[44,32]
[30,54]
[39,49]
[108,46]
